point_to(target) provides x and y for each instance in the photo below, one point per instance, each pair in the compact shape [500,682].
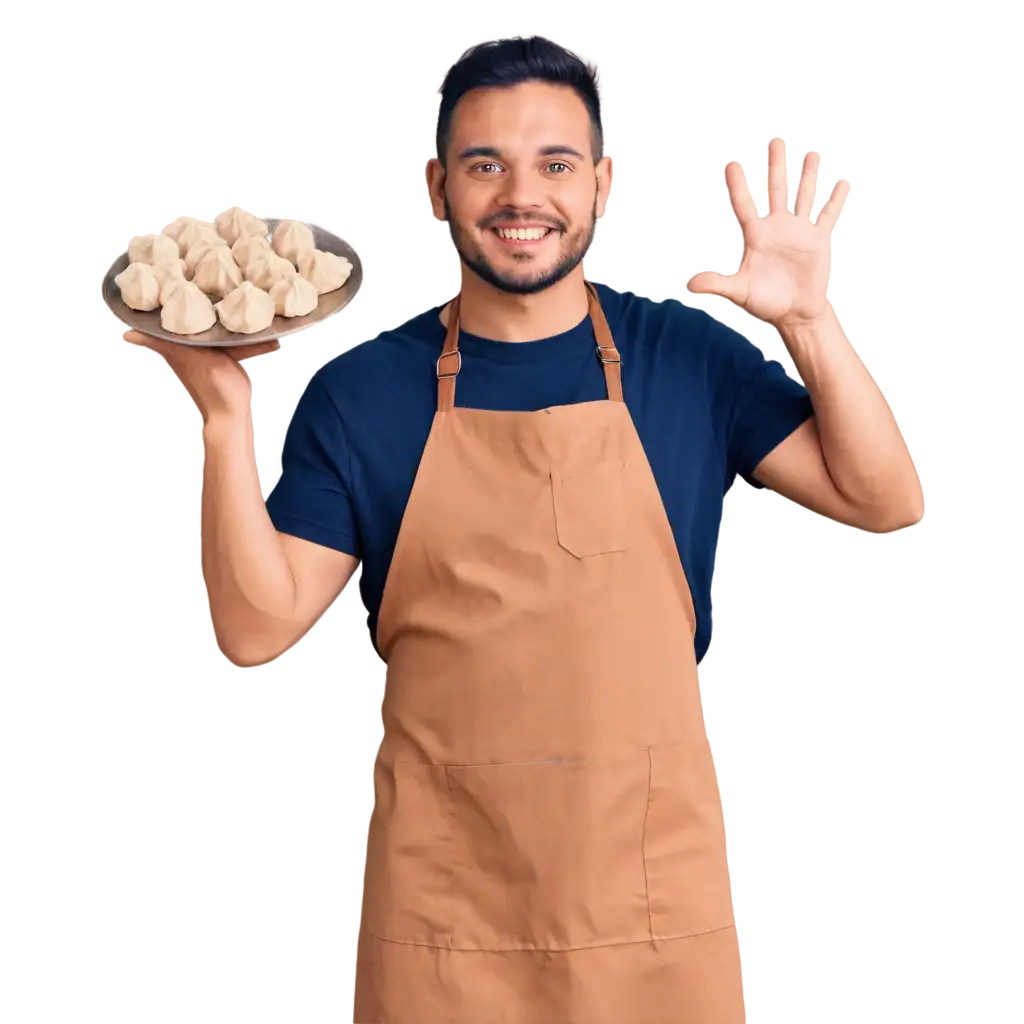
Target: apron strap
[606,352]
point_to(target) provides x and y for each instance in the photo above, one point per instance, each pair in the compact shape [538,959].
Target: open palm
[784,272]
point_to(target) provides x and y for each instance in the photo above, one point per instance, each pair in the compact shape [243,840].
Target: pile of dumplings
[231,259]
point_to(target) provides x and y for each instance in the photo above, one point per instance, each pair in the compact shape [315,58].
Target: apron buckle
[600,354]
[457,352]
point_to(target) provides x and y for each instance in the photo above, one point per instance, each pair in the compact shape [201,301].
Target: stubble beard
[474,257]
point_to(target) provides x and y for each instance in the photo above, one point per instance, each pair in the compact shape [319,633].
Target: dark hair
[506,62]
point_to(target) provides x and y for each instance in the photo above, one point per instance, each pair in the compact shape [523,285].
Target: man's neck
[488,312]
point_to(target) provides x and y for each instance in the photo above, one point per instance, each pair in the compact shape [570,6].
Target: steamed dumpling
[236,223]
[176,227]
[267,269]
[198,251]
[217,272]
[248,247]
[325,269]
[246,310]
[153,249]
[198,231]
[139,287]
[168,275]
[291,238]
[187,310]
[294,296]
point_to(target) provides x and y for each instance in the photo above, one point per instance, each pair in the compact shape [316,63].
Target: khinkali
[152,249]
[187,310]
[197,252]
[169,275]
[325,269]
[236,223]
[294,296]
[248,247]
[267,269]
[246,310]
[176,227]
[198,231]
[217,272]
[291,238]
[139,287]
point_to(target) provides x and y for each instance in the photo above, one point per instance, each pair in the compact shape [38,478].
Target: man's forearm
[863,448]
[248,578]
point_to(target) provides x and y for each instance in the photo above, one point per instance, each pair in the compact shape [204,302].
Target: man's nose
[521,190]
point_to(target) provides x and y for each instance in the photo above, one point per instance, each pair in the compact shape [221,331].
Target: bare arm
[266,589]
[849,461]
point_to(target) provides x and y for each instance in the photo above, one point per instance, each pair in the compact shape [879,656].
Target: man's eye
[558,163]
[480,166]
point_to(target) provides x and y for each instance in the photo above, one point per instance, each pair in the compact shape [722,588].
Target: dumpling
[198,231]
[235,223]
[153,249]
[294,296]
[176,227]
[187,310]
[217,272]
[168,275]
[198,251]
[248,247]
[326,270]
[246,310]
[292,237]
[139,287]
[267,269]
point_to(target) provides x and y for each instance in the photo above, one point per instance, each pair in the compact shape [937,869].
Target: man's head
[519,143]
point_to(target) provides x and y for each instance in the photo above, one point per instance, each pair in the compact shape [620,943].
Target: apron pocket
[684,843]
[590,515]
[549,855]
[407,889]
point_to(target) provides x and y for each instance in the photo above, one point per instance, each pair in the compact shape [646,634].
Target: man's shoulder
[387,357]
[659,316]
[651,323]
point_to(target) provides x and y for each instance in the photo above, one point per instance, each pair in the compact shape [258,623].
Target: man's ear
[435,186]
[603,171]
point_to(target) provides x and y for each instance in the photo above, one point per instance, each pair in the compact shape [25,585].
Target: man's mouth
[516,238]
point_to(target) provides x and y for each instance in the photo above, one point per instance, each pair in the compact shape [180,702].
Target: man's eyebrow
[479,151]
[475,151]
[561,151]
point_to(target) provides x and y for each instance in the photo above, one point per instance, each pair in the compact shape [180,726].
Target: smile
[517,238]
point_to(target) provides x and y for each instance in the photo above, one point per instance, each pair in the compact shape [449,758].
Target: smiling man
[532,476]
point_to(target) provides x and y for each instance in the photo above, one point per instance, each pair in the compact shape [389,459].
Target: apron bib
[547,841]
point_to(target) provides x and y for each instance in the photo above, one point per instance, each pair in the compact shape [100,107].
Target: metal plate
[218,335]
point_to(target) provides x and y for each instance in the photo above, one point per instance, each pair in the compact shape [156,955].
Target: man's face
[520,158]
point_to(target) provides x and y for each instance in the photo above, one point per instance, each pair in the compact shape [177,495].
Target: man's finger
[137,337]
[264,351]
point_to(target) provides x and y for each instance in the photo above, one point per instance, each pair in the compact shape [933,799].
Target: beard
[574,248]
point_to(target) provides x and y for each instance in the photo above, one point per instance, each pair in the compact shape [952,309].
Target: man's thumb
[711,283]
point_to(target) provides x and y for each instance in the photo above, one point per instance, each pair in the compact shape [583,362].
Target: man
[547,842]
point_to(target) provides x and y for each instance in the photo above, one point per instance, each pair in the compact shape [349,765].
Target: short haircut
[507,62]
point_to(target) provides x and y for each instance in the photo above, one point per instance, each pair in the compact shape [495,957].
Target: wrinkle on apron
[547,841]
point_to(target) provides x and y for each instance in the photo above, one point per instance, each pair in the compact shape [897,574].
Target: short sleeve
[756,403]
[313,498]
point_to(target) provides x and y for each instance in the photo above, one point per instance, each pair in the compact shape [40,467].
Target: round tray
[218,335]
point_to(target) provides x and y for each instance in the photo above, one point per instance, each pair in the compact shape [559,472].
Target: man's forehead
[507,122]
[530,108]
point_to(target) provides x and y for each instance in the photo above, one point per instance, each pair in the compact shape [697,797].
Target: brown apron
[547,843]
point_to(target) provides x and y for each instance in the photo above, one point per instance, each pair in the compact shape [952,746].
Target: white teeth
[523,234]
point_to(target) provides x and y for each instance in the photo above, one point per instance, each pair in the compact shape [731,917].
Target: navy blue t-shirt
[706,403]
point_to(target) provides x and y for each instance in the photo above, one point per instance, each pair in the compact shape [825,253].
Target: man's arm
[849,461]
[266,589]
